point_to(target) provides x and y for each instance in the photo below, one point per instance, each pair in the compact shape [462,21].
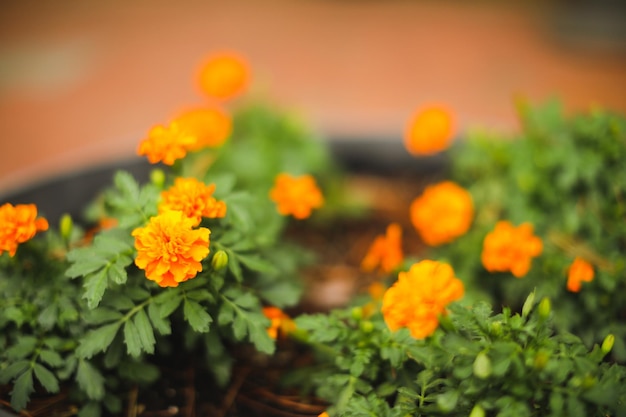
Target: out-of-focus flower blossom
[385,251]
[430,130]
[420,296]
[579,271]
[443,212]
[296,196]
[224,76]
[18,224]
[169,249]
[194,198]
[510,248]
[166,144]
[280,323]
[210,126]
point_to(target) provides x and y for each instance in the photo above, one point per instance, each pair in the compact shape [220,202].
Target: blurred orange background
[81,82]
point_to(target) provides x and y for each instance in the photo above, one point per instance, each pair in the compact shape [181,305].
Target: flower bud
[496,328]
[607,343]
[357,313]
[367,326]
[157,177]
[66,225]
[219,260]
[477,411]
[544,308]
[528,304]
[541,360]
[482,366]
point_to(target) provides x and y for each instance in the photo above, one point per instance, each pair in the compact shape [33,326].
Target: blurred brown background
[81,82]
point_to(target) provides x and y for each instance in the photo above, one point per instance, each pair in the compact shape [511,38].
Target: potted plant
[184,287]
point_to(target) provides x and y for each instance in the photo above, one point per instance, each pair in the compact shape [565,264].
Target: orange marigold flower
[296,196]
[579,271]
[442,213]
[18,224]
[510,248]
[385,251]
[194,198]
[169,249]
[224,76]
[210,126]
[420,296]
[281,323]
[324,414]
[166,144]
[430,131]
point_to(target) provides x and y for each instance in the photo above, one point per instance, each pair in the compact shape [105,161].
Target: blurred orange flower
[194,198]
[385,251]
[169,249]
[18,224]
[430,131]
[296,196]
[579,271]
[442,213]
[166,144]
[420,296]
[224,76]
[510,248]
[281,323]
[210,126]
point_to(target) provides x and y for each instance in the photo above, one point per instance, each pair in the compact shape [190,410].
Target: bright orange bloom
[224,76]
[385,251]
[210,126]
[510,248]
[579,271]
[280,322]
[442,213]
[324,414]
[166,144]
[420,296]
[194,198]
[296,196]
[169,250]
[430,131]
[18,224]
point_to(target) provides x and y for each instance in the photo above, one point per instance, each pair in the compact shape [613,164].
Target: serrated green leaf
[24,347]
[22,389]
[91,409]
[234,267]
[162,325]
[48,316]
[117,270]
[169,304]
[196,316]
[90,380]
[132,340]
[46,378]
[95,285]
[261,339]
[239,327]
[256,263]
[226,314]
[85,261]
[145,331]
[136,293]
[101,315]
[97,340]
[13,370]
[51,358]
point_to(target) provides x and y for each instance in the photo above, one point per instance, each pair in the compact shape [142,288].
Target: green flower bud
[544,308]
[157,177]
[496,328]
[589,381]
[541,360]
[66,225]
[528,304]
[607,343]
[219,260]
[366,326]
[357,313]
[482,366]
[477,411]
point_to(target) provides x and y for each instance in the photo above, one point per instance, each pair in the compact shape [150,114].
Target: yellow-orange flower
[420,296]
[166,144]
[579,271]
[296,196]
[224,76]
[194,198]
[510,248]
[442,213]
[385,251]
[169,249]
[430,131]
[324,414]
[281,323]
[210,126]
[18,224]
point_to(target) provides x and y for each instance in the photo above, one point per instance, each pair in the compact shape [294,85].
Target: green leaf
[22,389]
[132,340]
[95,285]
[102,315]
[24,347]
[162,325]
[51,358]
[145,331]
[90,380]
[448,400]
[91,409]
[196,316]
[12,371]
[169,304]
[256,263]
[97,340]
[46,378]
[261,340]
